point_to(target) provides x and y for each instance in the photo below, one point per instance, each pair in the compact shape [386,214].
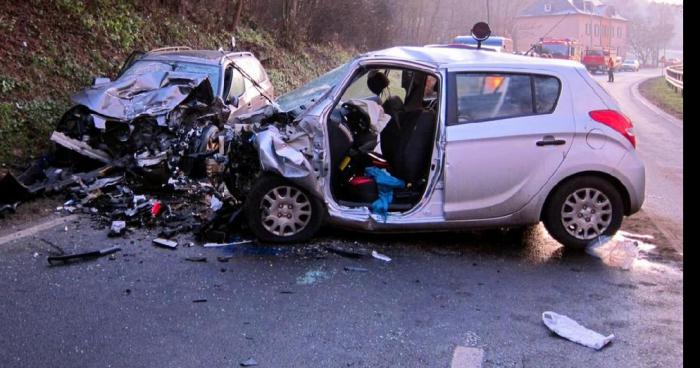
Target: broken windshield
[151,66]
[312,91]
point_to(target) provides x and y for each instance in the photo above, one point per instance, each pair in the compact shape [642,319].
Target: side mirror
[100,80]
[233,100]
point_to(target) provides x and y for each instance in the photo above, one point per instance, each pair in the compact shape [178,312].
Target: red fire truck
[559,48]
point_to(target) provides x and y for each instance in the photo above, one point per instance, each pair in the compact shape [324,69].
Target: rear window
[492,96]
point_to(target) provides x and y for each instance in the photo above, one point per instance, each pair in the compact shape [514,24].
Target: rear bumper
[634,179]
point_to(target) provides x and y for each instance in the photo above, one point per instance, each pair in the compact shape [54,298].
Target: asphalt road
[298,306]
[660,145]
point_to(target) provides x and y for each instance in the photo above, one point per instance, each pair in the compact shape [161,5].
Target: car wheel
[279,211]
[582,209]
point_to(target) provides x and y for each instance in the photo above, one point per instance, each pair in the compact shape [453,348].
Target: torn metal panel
[80,147]
[148,94]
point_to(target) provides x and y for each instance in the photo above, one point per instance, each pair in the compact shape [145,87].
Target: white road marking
[36,228]
[465,357]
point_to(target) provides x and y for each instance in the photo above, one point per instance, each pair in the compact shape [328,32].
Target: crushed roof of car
[441,56]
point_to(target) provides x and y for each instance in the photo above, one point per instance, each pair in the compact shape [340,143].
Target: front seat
[407,141]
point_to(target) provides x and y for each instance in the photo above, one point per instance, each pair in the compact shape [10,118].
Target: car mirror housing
[233,100]
[100,80]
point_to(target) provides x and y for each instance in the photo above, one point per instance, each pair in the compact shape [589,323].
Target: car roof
[201,56]
[446,56]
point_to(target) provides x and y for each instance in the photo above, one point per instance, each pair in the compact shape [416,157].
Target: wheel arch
[605,176]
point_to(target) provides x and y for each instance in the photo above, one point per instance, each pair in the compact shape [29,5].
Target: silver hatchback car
[445,138]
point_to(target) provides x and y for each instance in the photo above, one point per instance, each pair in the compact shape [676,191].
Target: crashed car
[442,138]
[165,109]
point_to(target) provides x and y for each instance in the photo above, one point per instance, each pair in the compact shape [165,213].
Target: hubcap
[586,213]
[285,211]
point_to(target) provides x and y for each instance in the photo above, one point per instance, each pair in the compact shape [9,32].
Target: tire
[590,205]
[299,214]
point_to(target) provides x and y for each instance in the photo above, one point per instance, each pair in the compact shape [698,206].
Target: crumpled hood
[147,94]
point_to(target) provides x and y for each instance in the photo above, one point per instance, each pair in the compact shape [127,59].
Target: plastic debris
[380,256]
[217,245]
[216,204]
[249,363]
[156,209]
[165,243]
[355,269]
[66,258]
[614,252]
[571,330]
[350,253]
[117,229]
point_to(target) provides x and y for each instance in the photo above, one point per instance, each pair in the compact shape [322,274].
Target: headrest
[377,81]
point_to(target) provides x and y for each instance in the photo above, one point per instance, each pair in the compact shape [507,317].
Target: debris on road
[224,259]
[196,259]
[380,256]
[571,330]
[218,245]
[614,251]
[66,258]
[249,363]
[346,252]
[199,301]
[165,243]
[312,276]
[117,229]
[355,269]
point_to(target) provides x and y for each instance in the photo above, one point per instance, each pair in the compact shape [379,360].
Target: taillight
[617,121]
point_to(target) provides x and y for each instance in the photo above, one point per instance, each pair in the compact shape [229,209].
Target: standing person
[611,65]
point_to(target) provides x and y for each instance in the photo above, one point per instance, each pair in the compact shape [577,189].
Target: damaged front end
[288,144]
[157,125]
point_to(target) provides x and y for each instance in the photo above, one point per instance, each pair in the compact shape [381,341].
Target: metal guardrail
[674,76]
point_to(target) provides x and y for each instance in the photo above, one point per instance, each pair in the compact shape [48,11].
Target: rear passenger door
[507,133]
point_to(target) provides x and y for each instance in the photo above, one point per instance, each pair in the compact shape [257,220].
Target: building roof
[542,8]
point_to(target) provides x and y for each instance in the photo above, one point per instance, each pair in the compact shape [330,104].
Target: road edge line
[36,228]
[653,108]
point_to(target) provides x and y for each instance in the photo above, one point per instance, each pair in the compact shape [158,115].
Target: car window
[546,93]
[491,96]
[253,68]
[358,89]
[237,84]
[485,96]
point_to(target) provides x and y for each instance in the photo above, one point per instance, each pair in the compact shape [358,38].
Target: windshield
[556,50]
[630,61]
[150,66]
[313,90]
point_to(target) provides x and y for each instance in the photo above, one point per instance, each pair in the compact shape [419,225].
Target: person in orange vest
[611,66]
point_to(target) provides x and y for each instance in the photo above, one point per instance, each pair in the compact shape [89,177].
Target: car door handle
[549,140]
